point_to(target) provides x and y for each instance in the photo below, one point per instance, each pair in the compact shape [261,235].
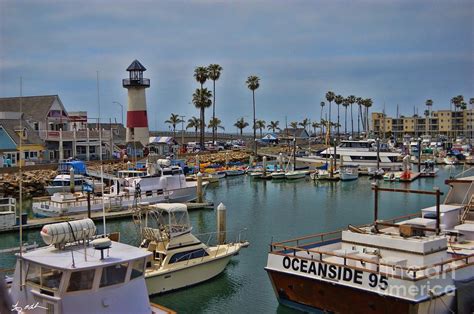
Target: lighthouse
[137,120]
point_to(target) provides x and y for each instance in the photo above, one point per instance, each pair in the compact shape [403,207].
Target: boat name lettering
[334,272]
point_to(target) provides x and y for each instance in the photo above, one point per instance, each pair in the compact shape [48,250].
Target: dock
[38,223]
[413,177]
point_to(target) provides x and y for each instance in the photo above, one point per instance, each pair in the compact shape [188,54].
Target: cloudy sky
[396,52]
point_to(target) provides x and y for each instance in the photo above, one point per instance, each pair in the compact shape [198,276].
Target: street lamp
[116,102]
[182,131]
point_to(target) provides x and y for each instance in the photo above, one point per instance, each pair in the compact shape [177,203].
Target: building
[51,133]
[441,122]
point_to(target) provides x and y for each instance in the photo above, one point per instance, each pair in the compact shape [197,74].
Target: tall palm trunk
[201,141]
[214,128]
[345,120]
[322,118]
[338,120]
[359,120]
[329,126]
[352,123]
[367,120]
[196,133]
[254,125]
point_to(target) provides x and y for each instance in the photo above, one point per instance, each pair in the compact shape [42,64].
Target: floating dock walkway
[37,223]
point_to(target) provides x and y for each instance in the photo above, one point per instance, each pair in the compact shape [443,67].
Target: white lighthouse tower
[137,119]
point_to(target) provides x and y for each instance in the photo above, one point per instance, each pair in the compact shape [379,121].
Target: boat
[392,176]
[296,174]
[179,259]
[421,263]
[375,172]
[8,213]
[449,160]
[255,174]
[78,272]
[234,172]
[429,169]
[278,175]
[217,174]
[362,153]
[162,183]
[348,173]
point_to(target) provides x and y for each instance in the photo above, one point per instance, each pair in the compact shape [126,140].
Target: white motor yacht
[362,153]
[348,173]
[80,273]
[162,183]
[179,258]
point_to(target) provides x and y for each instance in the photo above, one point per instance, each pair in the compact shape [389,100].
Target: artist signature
[28,307]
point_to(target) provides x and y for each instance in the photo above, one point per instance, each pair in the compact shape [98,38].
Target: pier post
[61,150]
[87,145]
[280,161]
[198,164]
[74,144]
[378,154]
[419,155]
[376,203]
[199,187]
[88,204]
[71,180]
[221,223]
[264,163]
[438,202]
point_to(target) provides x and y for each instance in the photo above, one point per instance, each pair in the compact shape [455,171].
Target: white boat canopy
[173,217]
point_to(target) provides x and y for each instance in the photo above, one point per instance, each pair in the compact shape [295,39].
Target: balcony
[143,82]
[81,135]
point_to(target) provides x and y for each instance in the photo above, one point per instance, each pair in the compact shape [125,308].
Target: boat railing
[7,205]
[231,236]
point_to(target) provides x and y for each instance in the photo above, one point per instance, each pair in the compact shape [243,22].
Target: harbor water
[268,210]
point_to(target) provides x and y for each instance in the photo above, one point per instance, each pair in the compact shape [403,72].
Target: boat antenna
[100,158]
[21,184]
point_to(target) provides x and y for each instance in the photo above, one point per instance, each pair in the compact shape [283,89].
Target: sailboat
[295,174]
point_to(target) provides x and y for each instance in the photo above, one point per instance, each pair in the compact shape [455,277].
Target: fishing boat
[78,272]
[162,183]
[348,173]
[179,259]
[71,176]
[409,264]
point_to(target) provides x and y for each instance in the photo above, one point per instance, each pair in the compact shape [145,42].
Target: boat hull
[311,295]
[184,277]
[349,176]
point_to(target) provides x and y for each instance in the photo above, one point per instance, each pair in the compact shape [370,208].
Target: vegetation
[174,120]
[214,71]
[194,123]
[241,125]
[214,124]
[253,83]
[273,126]
[260,124]
[201,99]
[330,97]
[338,100]
[305,123]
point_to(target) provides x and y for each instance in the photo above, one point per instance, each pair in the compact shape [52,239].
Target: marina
[263,207]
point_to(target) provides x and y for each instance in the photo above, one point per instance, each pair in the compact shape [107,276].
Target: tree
[202,100]
[294,125]
[241,125]
[367,104]
[330,97]
[215,123]
[201,75]
[174,120]
[338,100]
[323,126]
[315,125]
[352,100]
[346,104]
[304,123]
[260,124]
[214,71]
[322,104]
[253,82]
[273,126]
[360,102]
[194,123]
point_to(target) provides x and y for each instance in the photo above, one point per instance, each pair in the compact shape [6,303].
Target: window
[137,268]
[149,193]
[44,277]
[184,256]
[81,280]
[112,275]
[36,126]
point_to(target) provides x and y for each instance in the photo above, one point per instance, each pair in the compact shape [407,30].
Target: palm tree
[201,75]
[322,104]
[323,124]
[215,123]
[202,100]
[174,120]
[352,100]
[260,124]
[315,125]
[346,104]
[304,123]
[338,100]
[241,125]
[360,102]
[294,125]
[367,104]
[471,101]
[194,123]
[214,71]
[273,126]
[253,82]
[330,97]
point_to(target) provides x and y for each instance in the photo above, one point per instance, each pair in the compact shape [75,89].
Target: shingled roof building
[47,125]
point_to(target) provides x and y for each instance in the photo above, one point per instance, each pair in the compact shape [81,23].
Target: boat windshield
[355,145]
[46,278]
[175,222]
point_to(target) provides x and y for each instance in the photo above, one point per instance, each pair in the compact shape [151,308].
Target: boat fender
[102,243]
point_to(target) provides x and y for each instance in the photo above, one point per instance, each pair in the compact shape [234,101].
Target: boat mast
[100,157]
[294,153]
[21,184]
